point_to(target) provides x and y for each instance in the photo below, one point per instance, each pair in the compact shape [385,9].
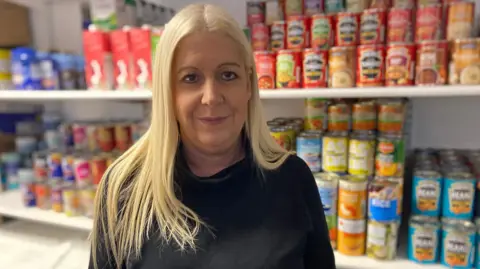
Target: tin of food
[57,197]
[431,62]
[372,26]
[82,170]
[352,197]
[383,200]
[309,148]
[458,243]
[458,195]
[71,201]
[315,114]
[464,68]
[43,196]
[423,239]
[460,19]
[54,160]
[391,115]
[289,69]
[426,193]
[40,166]
[28,194]
[428,20]
[341,67]
[260,36]
[315,62]
[364,116]
[87,198]
[390,155]
[297,32]
[327,184]
[370,65]
[282,136]
[278,35]
[400,64]
[334,152]
[338,116]
[382,239]
[265,66]
[322,31]
[347,26]
[351,236]
[361,153]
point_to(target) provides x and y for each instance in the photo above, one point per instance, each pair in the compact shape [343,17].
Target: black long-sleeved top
[274,221]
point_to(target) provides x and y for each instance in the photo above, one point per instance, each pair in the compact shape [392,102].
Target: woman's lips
[212,120]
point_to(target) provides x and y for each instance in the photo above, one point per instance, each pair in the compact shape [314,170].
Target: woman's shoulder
[291,170]
[294,164]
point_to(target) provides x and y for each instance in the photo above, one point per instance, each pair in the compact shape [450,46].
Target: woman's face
[211,90]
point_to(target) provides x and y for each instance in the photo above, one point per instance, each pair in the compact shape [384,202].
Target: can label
[28,194]
[341,65]
[55,165]
[334,154]
[255,12]
[391,117]
[310,150]
[458,198]
[372,27]
[334,6]
[315,114]
[400,28]
[87,197]
[432,59]
[80,136]
[460,20]
[458,249]
[297,32]
[82,172]
[346,29]
[428,20]
[328,195]
[98,166]
[278,37]
[315,68]
[364,116]
[361,157]
[322,31]
[465,61]
[105,138]
[70,202]
[265,66]
[43,196]
[423,244]
[383,202]
[283,138]
[67,168]
[260,36]
[293,7]
[313,7]
[351,237]
[371,61]
[40,167]
[426,196]
[338,117]
[382,240]
[57,201]
[389,158]
[123,137]
[400,65]
[289,69]
[352,200]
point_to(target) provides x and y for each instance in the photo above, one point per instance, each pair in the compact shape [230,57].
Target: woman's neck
[204,164]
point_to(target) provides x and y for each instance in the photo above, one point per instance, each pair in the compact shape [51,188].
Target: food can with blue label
[67,168]
[426,193]
[458,195]
[423,239]
[458,243]
[327,184]
[54,161]
[309,148]
[383,200]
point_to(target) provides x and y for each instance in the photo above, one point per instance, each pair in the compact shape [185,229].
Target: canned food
[458,243]
[123,136]
[372,26]
[42,195]
[292,130]
[293,7]
[334,152]
[361,154]
[327,185]
[87,198]
[322,31]
[260,36]
[66,132]
[98,166]
[351,236]
[391,115]
[54,160]
[309,148]
[370,65]
[428,2]
[400,27]
[432,59]
[80,138]
[458,195]
[138,129]
[71,205]
[282,136]
[423,239]
[289,69]
[282,121]
[390,156]
[334,6]
[429,21]
[255,12]
[91,131]
[297,32]
[382,239]
[357,5]
[315,114]
[352,197]
[380,4]
[265,66]
[460,19]
[346,29]
[383,200]
[407,4]
[426,193]
[11,162]
[40,166]
[341,67]
[67,168]
[400,64]
[364,116]
[315,68]
[465,64]
[28,194]
[278,37]
[82,171]
[338,117]
[56,196]
[106,137]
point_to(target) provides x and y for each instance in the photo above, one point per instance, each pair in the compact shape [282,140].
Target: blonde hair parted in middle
[139,190]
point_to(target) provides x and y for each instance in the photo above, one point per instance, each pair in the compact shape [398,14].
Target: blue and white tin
[309,148]
[423,239]
[458,243]
[11,161]
[458,196]
[384,200]
[426,193]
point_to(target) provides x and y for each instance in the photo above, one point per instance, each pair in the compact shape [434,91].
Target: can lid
[463,225]
[428,174]
[326,176]
[459,175]
[424,220]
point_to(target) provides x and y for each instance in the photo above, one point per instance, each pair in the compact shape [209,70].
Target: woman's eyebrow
[229,64]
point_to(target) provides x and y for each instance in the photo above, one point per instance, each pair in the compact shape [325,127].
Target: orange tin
[351,237]
[400,25]
[352,198]
[265,65]
[460,20]
[465,64]
[341,67]
[429,23]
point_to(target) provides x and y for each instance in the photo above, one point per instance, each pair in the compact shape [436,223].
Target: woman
[207,186]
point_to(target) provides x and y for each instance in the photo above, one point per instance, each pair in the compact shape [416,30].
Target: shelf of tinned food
[367,92]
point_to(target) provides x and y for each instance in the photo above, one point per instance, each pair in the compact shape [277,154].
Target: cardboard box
[14,25]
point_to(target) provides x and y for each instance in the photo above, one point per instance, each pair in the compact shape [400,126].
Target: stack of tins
[442,228]
[375,43]
[64,179]
[358,146]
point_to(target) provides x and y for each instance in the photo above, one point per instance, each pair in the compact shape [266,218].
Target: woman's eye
[190,78]
[229,76]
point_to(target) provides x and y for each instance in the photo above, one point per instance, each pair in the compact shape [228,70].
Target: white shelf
[363,262]
[11,206]
[142,95]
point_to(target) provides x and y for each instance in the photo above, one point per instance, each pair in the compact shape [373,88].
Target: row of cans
[371,26]
[452,242]
[445,184]
[352,202]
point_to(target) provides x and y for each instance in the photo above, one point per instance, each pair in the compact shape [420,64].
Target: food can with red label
[370,65]
[460,20]
[372,26]
[334,6]
[400,25]
[297,32]
[322,31]
[410,4]
[123,136]
[381,4]
[400,64]
[428,2]
[265,65]
[357,5]
[278,35]
[260,36]
[429,23]
[105,137]
[341,67]
[431,63]
[98,166]
[292,7]
[255,12]
[289,69]
[315,68]
[82,170]
[346,29]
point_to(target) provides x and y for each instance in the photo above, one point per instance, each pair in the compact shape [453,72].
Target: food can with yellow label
[465,64]
[423,239]
[458,243]
[351,237]
[361,153]
[335,152]
[390,155]
[283,136]
[341,67]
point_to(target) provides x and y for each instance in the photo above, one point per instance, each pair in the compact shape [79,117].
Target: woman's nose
[212,94]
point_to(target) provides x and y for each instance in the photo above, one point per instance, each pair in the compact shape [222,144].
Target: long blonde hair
[139,191]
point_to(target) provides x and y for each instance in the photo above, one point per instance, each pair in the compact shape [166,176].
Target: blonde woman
[206,186]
